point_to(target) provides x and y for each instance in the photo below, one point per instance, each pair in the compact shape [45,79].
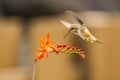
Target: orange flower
[46,46]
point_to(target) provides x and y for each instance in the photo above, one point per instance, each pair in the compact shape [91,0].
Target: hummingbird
[79,28]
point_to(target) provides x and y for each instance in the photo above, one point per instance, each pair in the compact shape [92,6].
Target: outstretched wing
[75,17]
[66,24]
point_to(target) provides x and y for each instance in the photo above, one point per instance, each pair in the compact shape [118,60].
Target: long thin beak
[68,32]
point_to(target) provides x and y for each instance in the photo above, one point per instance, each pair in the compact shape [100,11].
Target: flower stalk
[34,69]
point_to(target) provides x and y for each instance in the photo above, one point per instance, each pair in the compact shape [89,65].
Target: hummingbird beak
[68,32]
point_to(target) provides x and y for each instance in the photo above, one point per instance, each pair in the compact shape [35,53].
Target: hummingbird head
[74,28]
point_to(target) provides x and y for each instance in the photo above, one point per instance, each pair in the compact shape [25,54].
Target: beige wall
[10,39]
[9,42]
[104,59]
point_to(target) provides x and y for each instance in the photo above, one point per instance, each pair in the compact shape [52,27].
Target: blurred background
[23,22]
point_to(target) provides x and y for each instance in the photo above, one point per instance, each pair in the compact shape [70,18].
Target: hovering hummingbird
[79,28]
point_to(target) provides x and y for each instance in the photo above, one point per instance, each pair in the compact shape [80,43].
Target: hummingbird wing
[81,34]
[75,17]
[66,24]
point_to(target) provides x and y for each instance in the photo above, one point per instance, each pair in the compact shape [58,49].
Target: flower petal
[55,49]
[42,42]
[40,55]
[47,38]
